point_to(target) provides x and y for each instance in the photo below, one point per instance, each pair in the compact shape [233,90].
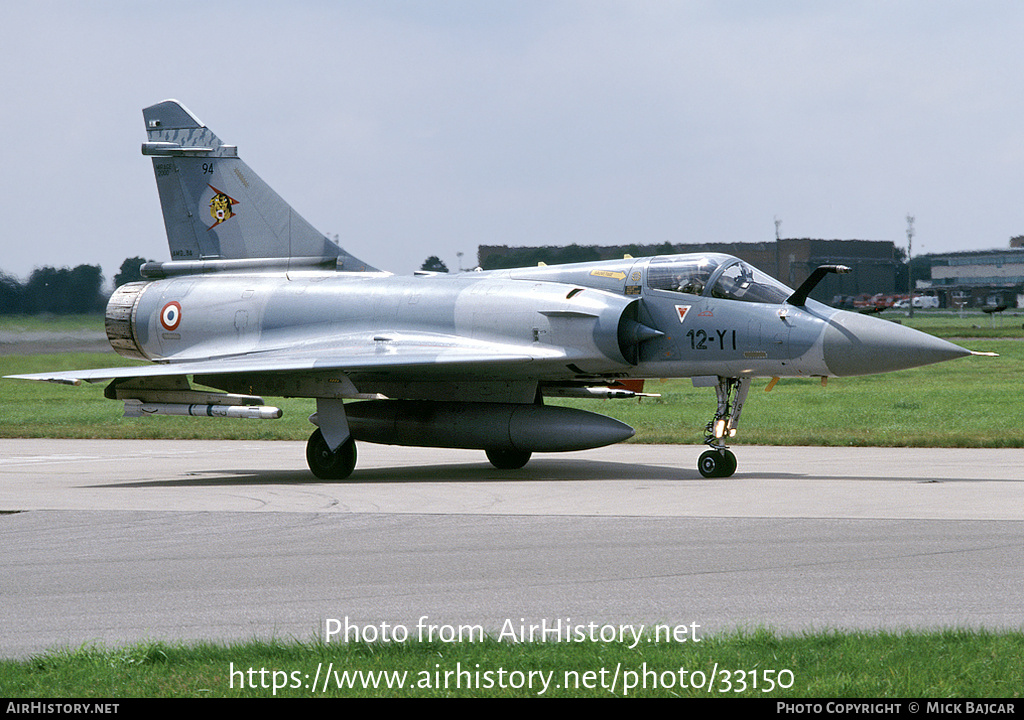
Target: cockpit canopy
[714,275]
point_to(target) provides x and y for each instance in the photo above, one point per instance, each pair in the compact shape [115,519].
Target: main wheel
[715,464]
[508,459]
[328,465]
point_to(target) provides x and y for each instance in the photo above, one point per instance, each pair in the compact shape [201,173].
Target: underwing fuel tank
[482,426]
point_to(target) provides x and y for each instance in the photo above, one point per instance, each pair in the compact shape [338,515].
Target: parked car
[920,301]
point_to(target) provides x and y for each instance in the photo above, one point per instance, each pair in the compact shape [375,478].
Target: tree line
[62,291]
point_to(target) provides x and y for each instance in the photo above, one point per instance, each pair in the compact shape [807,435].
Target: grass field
[969,402]
[50,323]
[944,664]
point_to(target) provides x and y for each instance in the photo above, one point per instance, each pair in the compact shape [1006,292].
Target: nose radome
[857,344]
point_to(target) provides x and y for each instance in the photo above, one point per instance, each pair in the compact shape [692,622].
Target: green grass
[940,664]
[50,323]
[969,402]
[34,409]
[945,324]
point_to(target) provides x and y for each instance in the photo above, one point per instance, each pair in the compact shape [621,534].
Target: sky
[410,128]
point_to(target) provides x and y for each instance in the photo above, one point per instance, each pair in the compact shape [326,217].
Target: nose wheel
[719,461]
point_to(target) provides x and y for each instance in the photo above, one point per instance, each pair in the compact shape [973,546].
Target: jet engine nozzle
[120,321]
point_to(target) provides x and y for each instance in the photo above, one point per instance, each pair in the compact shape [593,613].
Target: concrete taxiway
[112,541]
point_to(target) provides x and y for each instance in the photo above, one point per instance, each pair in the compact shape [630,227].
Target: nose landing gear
[719,461]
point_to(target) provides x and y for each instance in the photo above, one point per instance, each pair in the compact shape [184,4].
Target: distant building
[979,278]
[873,265]
[873,262]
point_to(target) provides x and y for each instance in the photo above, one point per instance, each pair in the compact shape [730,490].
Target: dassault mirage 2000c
[256,302]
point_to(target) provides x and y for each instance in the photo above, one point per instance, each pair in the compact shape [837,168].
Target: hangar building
[978,278]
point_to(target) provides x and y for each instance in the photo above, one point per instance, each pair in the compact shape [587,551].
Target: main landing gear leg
[720,461]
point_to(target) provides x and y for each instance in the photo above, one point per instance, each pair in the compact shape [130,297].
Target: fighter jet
[255,302]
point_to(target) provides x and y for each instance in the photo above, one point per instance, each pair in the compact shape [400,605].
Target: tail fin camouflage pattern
[215,208]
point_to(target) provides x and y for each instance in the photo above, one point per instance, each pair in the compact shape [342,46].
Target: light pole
[910,245]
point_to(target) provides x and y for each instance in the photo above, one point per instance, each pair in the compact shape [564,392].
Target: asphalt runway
[109,541]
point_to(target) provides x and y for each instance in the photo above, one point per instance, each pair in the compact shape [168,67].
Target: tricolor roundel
[170,316]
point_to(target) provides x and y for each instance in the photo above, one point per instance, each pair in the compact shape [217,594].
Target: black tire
[508,459]
[328,465]
[730,464]
[715,464]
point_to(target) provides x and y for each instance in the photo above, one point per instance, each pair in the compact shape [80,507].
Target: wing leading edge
[392,357]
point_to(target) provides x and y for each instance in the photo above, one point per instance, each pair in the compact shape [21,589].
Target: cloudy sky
[412,128]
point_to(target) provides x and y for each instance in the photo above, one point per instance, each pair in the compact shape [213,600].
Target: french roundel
[170,316]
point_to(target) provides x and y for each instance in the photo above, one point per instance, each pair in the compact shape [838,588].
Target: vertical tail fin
[215,207]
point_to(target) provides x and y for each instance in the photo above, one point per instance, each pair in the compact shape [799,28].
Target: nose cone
[862,345]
